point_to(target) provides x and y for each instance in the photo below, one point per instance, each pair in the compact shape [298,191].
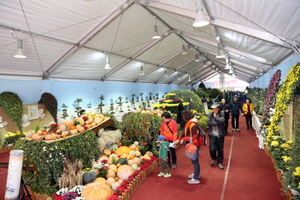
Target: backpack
[201,139]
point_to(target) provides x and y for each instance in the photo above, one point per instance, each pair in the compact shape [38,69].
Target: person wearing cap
[191,130]
[163,157]
[236,109]
[225,108]
[169,129]
[216,135]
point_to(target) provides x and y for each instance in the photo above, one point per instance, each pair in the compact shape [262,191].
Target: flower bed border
[6,149]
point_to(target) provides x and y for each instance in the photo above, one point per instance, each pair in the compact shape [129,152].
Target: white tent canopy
[73,39]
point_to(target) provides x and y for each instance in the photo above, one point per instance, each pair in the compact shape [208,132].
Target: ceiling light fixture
[179,77]
[204,63]
[142,70]
[231,71]
[197,58]
[165,75]
[218,37]
[220,53]
[20,53]
[107,66]
[189,78]
[201,19]
[156,35]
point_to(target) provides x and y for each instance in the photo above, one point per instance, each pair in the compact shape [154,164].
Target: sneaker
[161,174]
[191,176]
[220,166]
[167,175]
[173,166]
[193,181]
[233,129]
[238,130]
[212,162]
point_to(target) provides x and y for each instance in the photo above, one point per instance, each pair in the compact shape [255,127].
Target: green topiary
[201,93]
[12,104]
[213,93]
[186,95]
[50,103]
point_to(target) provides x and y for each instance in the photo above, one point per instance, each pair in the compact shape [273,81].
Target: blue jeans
[196,164]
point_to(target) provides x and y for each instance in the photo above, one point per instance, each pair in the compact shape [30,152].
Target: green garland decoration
[13,106]
[50,103]
[49,158]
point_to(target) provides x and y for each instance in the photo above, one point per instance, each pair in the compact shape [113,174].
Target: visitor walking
[248,109]
[225,108]
[191,130]
[236,108]
[179,119]
[163,156]
[216,135]
[168,129]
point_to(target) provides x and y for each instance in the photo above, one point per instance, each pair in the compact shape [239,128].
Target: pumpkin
[110,181]
[58,131]
[124,156]
[67,122]
[74,131]
[50,137]
[123,150]
[132,146]
[64,134]
[146,157]
[129,157]
[93,124]
[40,132]
[131,152]
[136,143]
[135,160]
[96,191]
[115,185]
[149,153]
[112,167]
[125,171]
[89,177]
[114,155]
[122,161]
[112,160]
[98,120]
[63,127]
[110,174]
[37,137]
[100,180]
[137,153]
[29,134]
[107,152]
[135,167]
[72,127]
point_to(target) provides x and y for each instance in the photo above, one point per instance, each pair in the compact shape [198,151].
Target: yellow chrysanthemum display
[286,158]
[274,143]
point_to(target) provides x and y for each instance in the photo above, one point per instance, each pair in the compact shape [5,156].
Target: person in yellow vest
[248,109]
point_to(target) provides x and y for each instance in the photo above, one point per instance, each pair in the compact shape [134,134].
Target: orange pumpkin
[72,127]
[37,137]
[96,191]
[100,180]
[123,150]
[50,137]
[67,122]
[98,120]
[39,132]
[74,131]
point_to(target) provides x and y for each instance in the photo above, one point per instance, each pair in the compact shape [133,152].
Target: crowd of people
[224,107]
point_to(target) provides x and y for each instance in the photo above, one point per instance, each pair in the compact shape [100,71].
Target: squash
[67,122]
[40,132]
[136,143]
[113,147]
[129,157]
[74,131]
[115,185]
[100,180]
[112,167]
[58,131]
[131,152]
[96,171]
[110,174]
[37,137]
[93,124]
[124,156]
[50,137]
[96,191]
[132,146]
[135,160]
[63,127]
[137,153]
[135,167]
[80,128]
[112,160]
[114,155]
[122,161]
[89,177]
[123,150]
[125,171]
[149,153]
[107,152]
[98,120]
[146,157]
[110,181]
[64,134]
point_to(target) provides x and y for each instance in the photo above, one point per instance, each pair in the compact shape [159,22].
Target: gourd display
[125,171]
[89,177]
[123,150]
[97,191]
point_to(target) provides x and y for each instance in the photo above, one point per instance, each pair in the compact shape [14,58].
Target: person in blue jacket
[236,109]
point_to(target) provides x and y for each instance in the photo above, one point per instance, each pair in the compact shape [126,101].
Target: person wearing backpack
[216,135]
[168,129]
[191,129]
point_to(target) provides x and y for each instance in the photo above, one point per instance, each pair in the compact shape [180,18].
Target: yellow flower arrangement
[286,158]
[284,97]
[286,146]
[274,143]
[297,171]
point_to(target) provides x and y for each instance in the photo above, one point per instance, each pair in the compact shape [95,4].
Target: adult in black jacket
[225,108]
[236,109]
[216,135]
[180,119]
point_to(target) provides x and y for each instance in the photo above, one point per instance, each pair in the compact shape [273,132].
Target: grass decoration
[13,106]
[50,103]
[49,159]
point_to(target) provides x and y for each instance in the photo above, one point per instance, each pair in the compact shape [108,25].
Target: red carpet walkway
[250,175]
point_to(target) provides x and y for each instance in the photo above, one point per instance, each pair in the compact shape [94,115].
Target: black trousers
[249,121]
[172,153]
[235,121]
[226,123]
[216,146]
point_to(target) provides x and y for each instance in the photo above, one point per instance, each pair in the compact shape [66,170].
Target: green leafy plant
[49,158]
[50,103]
[12,104]
[65,111]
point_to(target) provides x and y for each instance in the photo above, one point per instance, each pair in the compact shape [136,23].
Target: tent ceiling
[70,40]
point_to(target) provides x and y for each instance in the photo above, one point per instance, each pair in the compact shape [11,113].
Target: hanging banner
[14,174]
